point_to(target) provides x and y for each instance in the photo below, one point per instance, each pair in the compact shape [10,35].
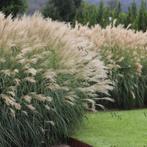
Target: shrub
[13,7]
[47,80]
[63,10]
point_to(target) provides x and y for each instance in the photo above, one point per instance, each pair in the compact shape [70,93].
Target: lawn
[115,129]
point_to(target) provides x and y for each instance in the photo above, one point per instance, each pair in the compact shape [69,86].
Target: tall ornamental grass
[48,77]
[124,52]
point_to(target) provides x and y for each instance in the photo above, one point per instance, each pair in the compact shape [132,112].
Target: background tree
[123,19]
[63,10]
[100,18]
[117,11]
[142,17]
[107,15]
[13,7]
[112,4]
[51,10]
[87,14]
[133,10]
[132,15]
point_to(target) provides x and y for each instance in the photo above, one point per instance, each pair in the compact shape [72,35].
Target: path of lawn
[115,129]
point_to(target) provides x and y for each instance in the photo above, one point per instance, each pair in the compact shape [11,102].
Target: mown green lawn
[115,129]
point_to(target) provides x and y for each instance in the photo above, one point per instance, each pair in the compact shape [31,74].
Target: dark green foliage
[13,7]
[112,4]
[118,9]
[100,17]
[101,14]
[87,14]
[63,10]
[133,10]
[142,17]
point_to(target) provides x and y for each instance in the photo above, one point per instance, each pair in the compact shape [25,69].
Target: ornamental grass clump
[124,52]
[48,77]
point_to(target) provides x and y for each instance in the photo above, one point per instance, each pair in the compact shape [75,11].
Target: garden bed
[72,142]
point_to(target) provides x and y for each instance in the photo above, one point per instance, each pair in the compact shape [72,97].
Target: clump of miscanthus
[125,54]
[48,77]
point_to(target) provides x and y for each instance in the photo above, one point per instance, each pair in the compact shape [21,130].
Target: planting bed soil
[73,143]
